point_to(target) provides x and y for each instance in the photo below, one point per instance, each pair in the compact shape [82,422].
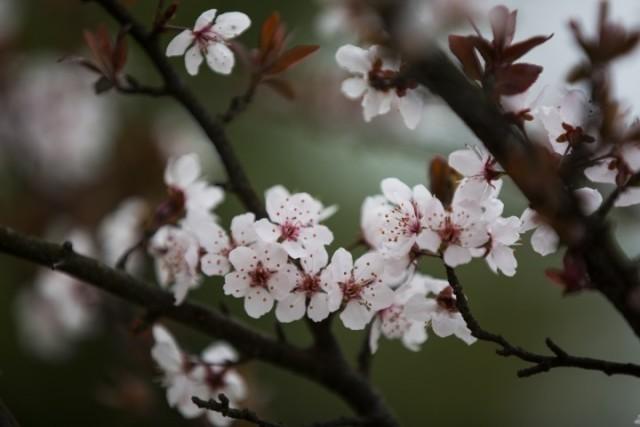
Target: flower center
[385,80]
[450,232]
[289,231]
[574,135]
[260,276]
[490,173]
[310,285]
[446,300]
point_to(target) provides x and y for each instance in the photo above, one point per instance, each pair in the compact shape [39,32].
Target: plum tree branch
[541,363]
[335,374]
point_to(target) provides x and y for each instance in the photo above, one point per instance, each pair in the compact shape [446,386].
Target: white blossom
[182,177]
[209,39]
[616,170]
[294,222]
[373,73]
[122,229]
[262,275]
[481,171]
[360,286]
[308,294]
[177,254]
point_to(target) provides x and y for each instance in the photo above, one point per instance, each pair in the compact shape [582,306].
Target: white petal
[341,265]
[502,258]
[467,162]
[396,191]
[411,106]
[282,282]
[589,198]
[266,230]
[379,296]
[205,19]
[220,58]
[354,87]
[529,220]
[318,307]
[243,259]
[272,255]
[182,171]
[544,240]
[218,353]
[231,24]
[275,198]
[601,172]
[415,336]
[429,240]
[355,315]
[456,255]
[236,284]
[243,230]
[193,59]
[291,308]
[374,335]
[178,46]
[629,197]
[369,266]
[257,302]
[315,261]
[295,248]
[375,103]
[353,59]
[215,265]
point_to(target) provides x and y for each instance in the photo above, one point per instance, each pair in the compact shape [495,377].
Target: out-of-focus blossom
[58,310]
[481,171]
[122,229]
[376,79]
[57,130]
[209,39]
[294,222]
[205,377]
[617,169]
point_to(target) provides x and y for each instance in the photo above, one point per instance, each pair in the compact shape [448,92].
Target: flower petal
[354,87]
[411,106]
[205,19]
[193,60]
[258,302]
[291,308]
[231,24]
[179,44]
[220,58]
[353,59]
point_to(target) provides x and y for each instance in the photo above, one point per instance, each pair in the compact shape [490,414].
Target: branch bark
[541,363]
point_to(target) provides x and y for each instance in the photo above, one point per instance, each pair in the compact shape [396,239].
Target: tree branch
[175,87]
[542,363]
[610,201]
[237,414]
[311,364]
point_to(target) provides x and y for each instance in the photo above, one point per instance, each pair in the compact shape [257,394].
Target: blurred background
[68,158]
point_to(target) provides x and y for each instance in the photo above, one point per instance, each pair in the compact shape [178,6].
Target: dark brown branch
[541,363]
[133,87]
[213,128]
[365,358]
[331,373]
[237,414]
[240,103]
[610,201]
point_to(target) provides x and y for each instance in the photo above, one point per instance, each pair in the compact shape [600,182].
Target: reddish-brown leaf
[503,26]
[269,28]
[518,50]
[516,78]
[464,49]
[290,58]
[281,87]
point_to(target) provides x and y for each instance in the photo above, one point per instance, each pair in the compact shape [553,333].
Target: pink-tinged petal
[180,43]
[193,59]
[257,302]
[506,231]
[420,197]
[629,197]
[590,199]
[315,261]
[374,335]
[353,59]
[283,281]
[205,19]
[456,255]
[318,307]
[267,231]
[236,284]
[294,248]
[429,240]
[291,308]
[544,240]
[434,213]
[276,198]
[243,230]
[396,191]
[411,106]
[341,265]
[272,255]
[379,296]
[220,58]
[218,353]
[529,220]
[502,258]
[369,266]
[467,162]
[354,87]
[356,316]
[182,171]
[231,24]
[215,265]
[316,236]
[243,259]
[601,172]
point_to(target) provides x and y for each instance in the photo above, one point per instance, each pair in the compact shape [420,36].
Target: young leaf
[290,58]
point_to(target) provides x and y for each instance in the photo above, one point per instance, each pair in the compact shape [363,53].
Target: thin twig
[610,201]
[222,406]
[541,363]
[239,104]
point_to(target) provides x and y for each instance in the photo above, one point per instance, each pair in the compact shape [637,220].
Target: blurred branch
[541,363]
[239,103]
[237,414]
[6,417]
[610,201]
[133,87]
[365,357]
[311,364]
[526,163]
[175,87]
